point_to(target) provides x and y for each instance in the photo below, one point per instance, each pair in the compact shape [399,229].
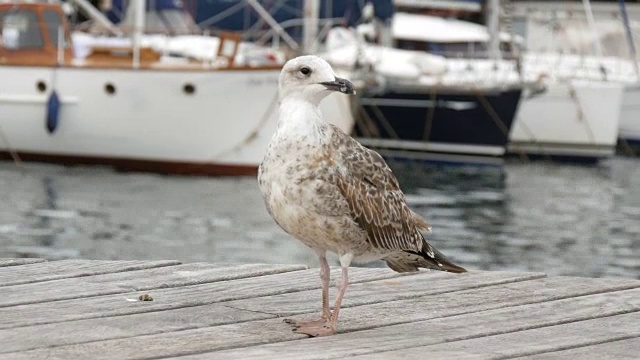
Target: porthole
[109,88]
[189,89]
[41,86]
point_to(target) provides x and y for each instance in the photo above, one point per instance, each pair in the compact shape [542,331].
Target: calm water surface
[557,218]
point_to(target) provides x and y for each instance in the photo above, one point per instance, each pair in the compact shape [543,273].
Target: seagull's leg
[329,325]
[325,275]
[312,327]
[345,261]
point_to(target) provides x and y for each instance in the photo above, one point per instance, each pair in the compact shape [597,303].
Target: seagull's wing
[379,207]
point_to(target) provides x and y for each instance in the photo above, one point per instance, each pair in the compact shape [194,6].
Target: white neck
[300,119]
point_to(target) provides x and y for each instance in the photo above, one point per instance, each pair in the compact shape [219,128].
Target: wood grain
[616,350]
[229,336]
[164,321]
[43,312]
[528,342]
[138,280]
[15,262]
[444,320]
[83,309]
[53,270]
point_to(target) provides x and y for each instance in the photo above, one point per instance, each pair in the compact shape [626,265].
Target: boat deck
[87,309]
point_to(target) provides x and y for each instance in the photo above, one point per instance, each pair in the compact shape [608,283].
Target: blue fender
[53,111]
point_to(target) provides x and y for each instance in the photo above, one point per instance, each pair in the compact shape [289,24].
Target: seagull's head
[311,78]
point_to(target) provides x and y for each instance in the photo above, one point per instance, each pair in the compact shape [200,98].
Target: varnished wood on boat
[160,167]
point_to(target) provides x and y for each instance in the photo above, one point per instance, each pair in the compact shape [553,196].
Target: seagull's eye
[305,70]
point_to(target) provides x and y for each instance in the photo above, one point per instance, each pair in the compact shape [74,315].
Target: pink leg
[325,275]
[345,261]
[312,327]
[327,325]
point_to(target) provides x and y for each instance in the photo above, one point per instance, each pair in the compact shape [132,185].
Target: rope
[253,133]
[430,114]
[385,123]
[14,154]
[498,121]
[580,112]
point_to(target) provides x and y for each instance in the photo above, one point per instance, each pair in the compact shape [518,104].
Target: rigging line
[14,154]
[580,111]
[253,133]
[384,122]
[430,114]
[498,121]
[222,15]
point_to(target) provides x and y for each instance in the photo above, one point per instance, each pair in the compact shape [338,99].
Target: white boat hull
[577,119]
[150,121]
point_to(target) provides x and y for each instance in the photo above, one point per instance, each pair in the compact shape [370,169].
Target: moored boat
[133,107]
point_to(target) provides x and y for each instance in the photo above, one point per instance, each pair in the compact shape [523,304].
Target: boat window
[54,25]
[20,30]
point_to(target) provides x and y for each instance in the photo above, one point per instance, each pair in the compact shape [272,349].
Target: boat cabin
[446,36]
[34,34]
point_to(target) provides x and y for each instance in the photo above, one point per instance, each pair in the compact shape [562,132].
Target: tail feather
[446,264]
[428,258]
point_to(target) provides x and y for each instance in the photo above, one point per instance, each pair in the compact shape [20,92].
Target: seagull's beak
[343,85]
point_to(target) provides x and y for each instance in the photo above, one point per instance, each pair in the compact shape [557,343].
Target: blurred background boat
[587,51]
[446,81]
[418,100]
[190,104]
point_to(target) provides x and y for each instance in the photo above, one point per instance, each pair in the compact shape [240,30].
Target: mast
[139,8]
[493,27]
[592,26]
[311,12]
[632,45]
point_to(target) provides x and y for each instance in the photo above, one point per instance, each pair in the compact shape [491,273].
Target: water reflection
[559,219]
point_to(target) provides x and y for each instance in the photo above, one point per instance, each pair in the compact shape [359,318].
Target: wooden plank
[616,350]
[245,334]
[61,269]
[407,287]
[525,343]
[424,321]
[173,298]
[25,338]
[138,280]
[83,331]
[14,262]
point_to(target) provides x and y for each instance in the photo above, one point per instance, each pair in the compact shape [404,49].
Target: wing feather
[379,207]
[376,202]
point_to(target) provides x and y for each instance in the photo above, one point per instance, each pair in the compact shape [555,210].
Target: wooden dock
[82,309]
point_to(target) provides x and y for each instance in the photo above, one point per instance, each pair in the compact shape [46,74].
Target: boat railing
[273,35]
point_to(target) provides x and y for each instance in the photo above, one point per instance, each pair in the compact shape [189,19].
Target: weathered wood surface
[87,310]
[13,262]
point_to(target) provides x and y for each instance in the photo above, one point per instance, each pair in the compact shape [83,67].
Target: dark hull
[456,127]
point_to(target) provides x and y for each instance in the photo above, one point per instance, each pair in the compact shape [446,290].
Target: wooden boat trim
[141,165]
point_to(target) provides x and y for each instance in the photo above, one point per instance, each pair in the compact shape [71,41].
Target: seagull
[333,194]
